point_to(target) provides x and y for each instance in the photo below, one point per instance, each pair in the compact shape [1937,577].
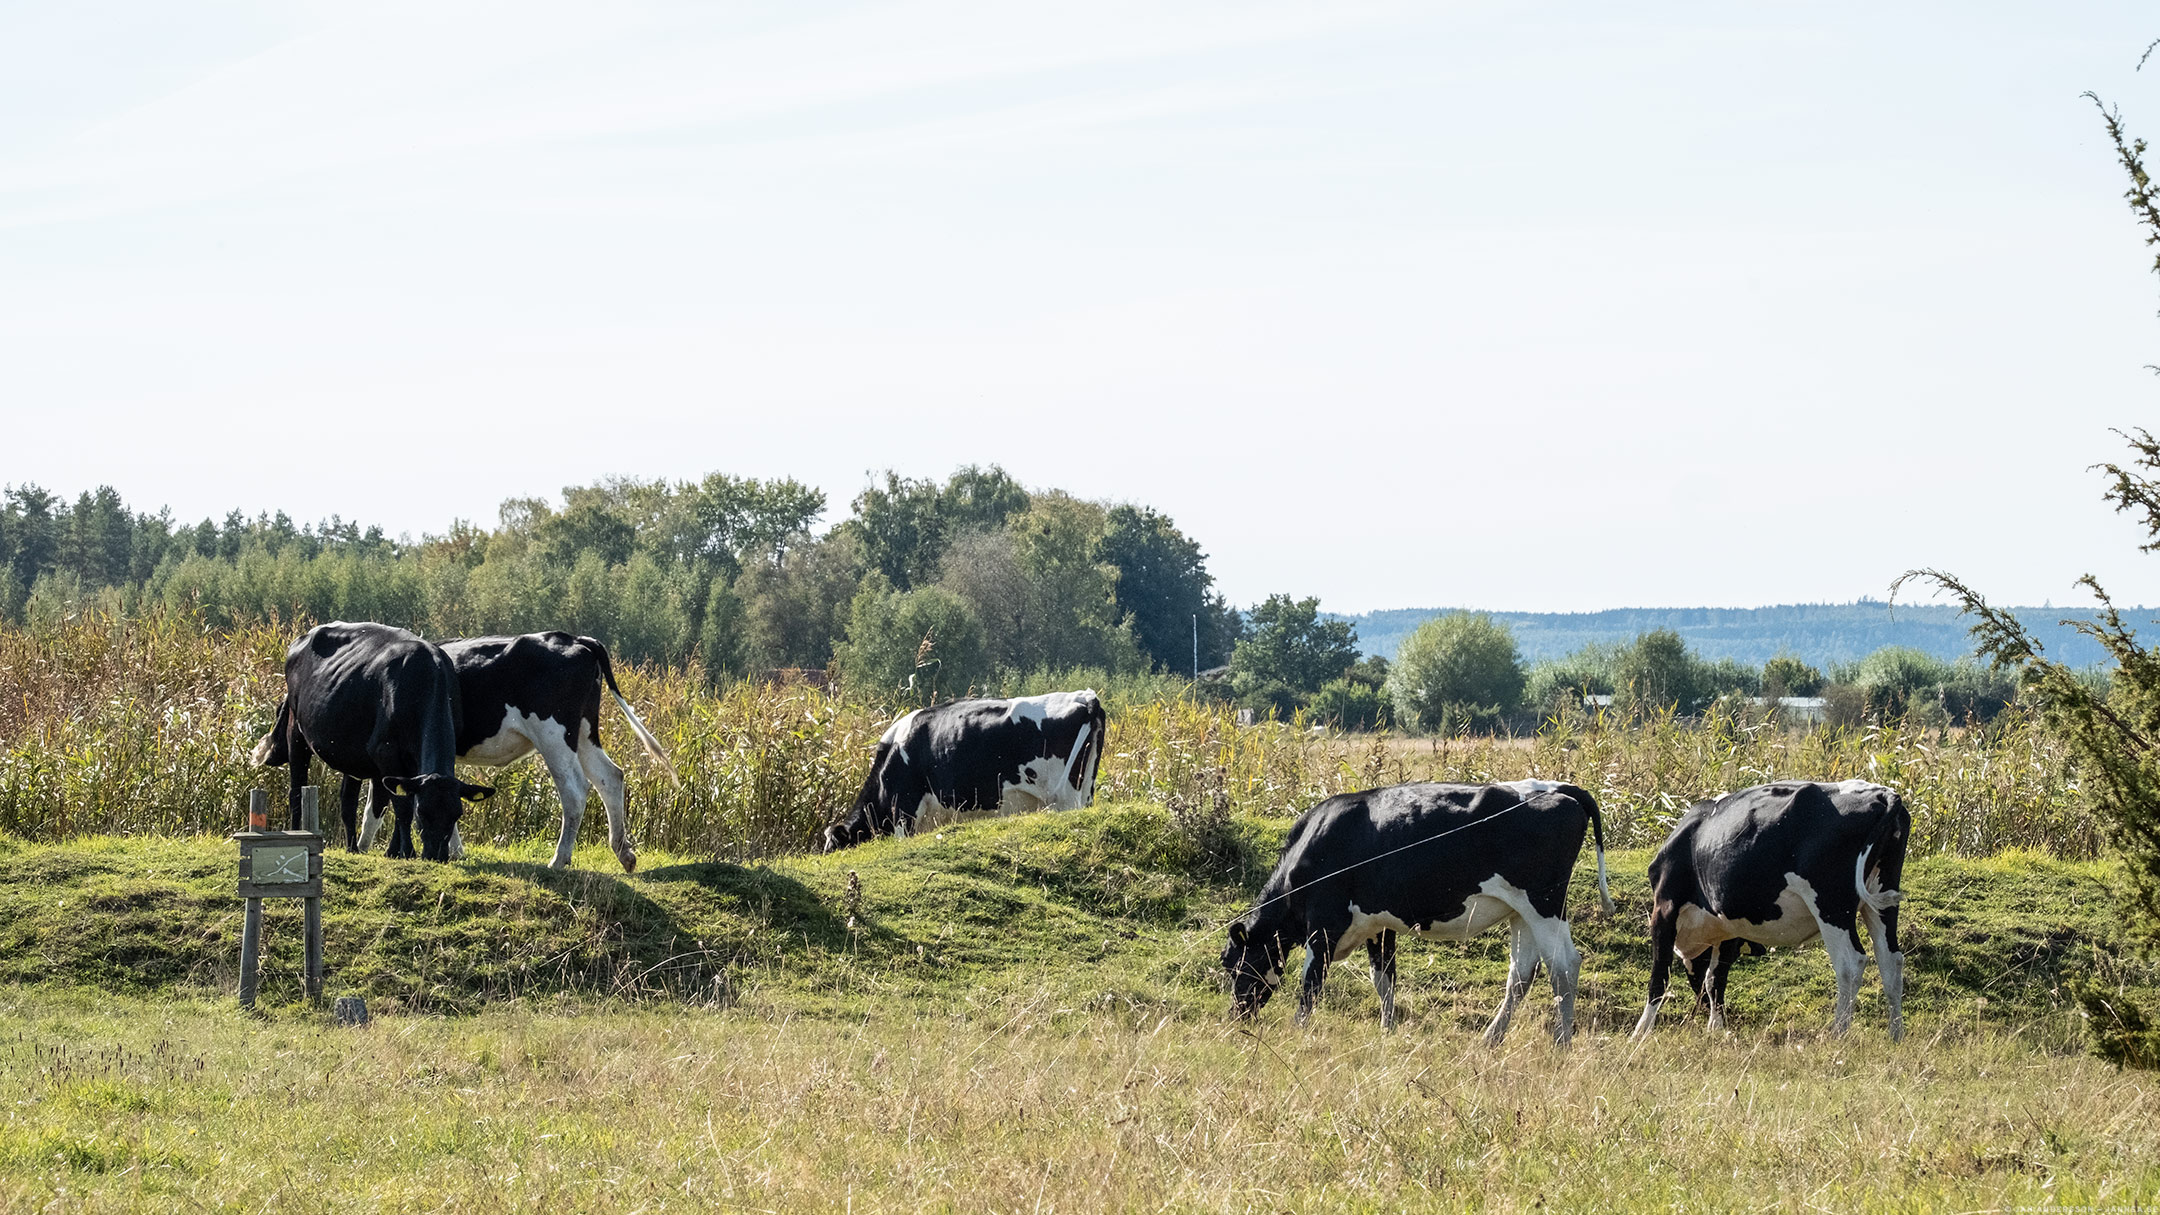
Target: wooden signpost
[280,865]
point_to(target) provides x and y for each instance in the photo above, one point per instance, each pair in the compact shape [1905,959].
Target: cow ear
[476,793]
[1237,933]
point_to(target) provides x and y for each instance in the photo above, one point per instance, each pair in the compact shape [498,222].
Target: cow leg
[1842,943]
[571,788]
[348,796]
[372,814]
[1381,949]
[1522,968]
[1698,971]
[1664,930]
[608,780]
[1564,963]
[1721,962]
[401,825]
[1882,932]
[1318,947]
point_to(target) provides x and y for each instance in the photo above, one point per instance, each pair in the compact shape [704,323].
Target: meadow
[1024,1014]
[1017,1015]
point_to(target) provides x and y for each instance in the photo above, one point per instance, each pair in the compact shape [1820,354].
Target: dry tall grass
[144,726]
[1031,1106]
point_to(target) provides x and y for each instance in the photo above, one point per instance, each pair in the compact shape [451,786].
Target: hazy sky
[1508,305]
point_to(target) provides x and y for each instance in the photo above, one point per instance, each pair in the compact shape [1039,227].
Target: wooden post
[314,948]
[251,919]
[250,947]
[280,864]
[311,822]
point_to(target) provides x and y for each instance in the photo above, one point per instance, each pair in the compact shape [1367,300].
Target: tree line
[930,587]
[927,589]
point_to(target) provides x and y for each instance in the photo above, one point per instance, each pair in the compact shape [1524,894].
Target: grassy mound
[1105,908]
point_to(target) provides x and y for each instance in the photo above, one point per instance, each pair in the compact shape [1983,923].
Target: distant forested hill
[1817,632]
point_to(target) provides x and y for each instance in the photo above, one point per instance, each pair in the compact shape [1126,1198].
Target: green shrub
[1348,704]
[920,645]
[1657,672]
[1786,675]
[1455,671]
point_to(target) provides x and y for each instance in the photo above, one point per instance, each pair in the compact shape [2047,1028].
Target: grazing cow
[1445,860]
[537,692]
[541,692]
[1779,865]
[974,758]
[378,704]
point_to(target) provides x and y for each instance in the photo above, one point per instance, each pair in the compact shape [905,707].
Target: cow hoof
[629,863]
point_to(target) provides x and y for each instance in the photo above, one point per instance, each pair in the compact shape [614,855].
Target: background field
[1022,1014]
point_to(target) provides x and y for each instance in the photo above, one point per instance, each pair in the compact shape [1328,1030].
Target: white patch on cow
[577,773]
[261,754]
[1846,960]
[930,814]
[1859,786]
[1538,939]
[1530,788]
[1698,928]
[511,741]
[899,727]
[457,844]
[1045,782]
[1364,926]
[1052,704]
[371,819]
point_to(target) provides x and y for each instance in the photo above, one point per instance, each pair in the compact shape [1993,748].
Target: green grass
[1111,900]
[1023,1014]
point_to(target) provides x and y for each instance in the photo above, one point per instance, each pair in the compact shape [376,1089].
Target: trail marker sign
[280,865]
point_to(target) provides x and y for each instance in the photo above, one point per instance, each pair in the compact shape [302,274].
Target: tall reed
[144,726]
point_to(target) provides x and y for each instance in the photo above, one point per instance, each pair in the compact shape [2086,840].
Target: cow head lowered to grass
[1446,860]
[1255,964]
[380,704]
[977,757]
[438,802]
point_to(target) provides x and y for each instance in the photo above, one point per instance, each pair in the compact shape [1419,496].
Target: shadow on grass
[781,902]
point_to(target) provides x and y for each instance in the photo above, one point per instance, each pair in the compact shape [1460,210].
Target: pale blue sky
[1518,306]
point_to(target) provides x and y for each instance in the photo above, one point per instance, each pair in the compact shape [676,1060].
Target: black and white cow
[1430,859]
[1777,866]
[517,695]
[541,692]
[377,704]
[976,758]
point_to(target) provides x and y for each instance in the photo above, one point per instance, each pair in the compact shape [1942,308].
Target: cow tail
[1880,840]
[1597,837]
[270,751]
[637,724]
